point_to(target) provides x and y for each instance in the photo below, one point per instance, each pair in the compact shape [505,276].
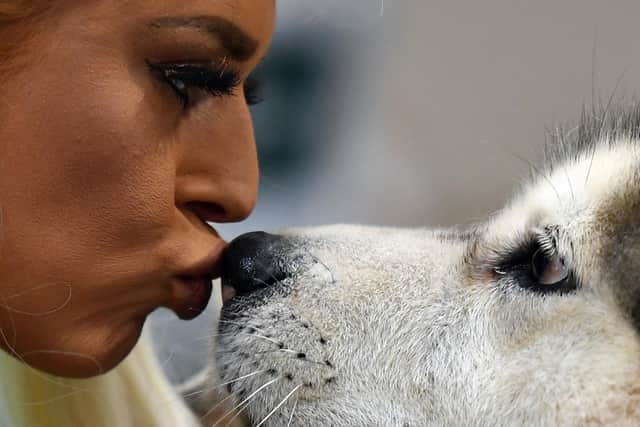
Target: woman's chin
[88,353]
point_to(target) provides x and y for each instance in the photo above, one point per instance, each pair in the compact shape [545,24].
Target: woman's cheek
[89,178]
[119,169]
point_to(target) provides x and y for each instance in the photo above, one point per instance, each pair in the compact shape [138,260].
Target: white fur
[419,330]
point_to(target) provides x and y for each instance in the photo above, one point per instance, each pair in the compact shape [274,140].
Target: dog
[530,317]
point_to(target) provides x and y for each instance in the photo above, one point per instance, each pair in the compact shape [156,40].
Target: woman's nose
[218,200]
[217,171]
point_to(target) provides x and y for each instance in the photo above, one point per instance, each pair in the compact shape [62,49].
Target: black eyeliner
[215,80]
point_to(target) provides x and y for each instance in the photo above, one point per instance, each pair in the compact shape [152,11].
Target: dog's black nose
[253,261]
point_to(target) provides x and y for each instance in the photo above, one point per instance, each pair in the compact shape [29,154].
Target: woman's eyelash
[185,77]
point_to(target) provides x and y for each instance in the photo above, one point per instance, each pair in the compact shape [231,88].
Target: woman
[124,128]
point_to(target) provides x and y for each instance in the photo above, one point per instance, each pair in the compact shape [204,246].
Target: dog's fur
[398,327]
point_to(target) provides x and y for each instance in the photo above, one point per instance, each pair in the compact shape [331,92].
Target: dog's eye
[537,265]
[549,270]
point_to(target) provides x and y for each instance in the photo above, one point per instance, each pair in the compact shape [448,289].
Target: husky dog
[529,318]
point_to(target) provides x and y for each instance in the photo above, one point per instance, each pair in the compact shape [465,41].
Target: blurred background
[414,113]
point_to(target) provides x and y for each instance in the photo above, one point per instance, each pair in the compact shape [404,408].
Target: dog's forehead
[575,191]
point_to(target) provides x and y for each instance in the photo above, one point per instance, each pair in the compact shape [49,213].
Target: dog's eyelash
[548,239]
[520,254]
[516,266]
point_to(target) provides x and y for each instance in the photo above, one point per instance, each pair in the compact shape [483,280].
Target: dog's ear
[206,401]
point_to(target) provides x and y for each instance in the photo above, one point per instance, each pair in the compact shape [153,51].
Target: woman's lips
[227,293]
[208,266]
[192,287]
[193,296]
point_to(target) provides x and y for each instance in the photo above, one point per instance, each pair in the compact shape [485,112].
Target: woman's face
[124,128]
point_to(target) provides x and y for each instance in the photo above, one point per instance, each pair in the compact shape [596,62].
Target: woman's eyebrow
[238,43]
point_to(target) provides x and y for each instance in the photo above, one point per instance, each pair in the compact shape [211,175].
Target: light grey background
[433,106]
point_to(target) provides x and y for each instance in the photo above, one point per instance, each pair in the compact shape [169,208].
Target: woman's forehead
[242,27]
[254,16]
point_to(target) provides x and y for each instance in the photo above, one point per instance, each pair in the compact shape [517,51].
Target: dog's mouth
[272,366]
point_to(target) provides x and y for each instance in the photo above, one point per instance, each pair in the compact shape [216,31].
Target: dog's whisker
[236,334]
[293,411]
[208,388]
[302,357]
[210,337]
[237,414]
[305,359]
[166,362]
[299,355]
[319,261]
[279,405]
[270,274]
[539,173]
[214,407]
[561,138]
[605,117]
[247,399]
[276,350]
[242,325]
[276,342]
[288,350]
[242,377]
[255,279]
[573,196]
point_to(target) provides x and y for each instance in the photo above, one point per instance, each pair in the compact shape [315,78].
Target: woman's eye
[253,90]
[548,270]
[193,83]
